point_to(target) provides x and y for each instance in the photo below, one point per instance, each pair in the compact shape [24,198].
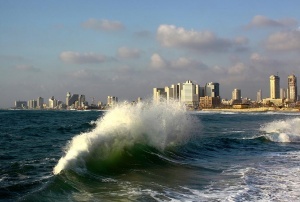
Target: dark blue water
[148,154]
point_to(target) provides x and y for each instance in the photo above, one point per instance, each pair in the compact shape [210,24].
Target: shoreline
[261,109]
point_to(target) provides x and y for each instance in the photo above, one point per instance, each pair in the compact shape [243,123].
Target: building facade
[292,88]
[209,102]
[40,102]
[236,94]
[159,94]
[259,96]
[212,89]
[274,87]
[187,93]
[112,101]
[20,104]
[190,94]
[283,93]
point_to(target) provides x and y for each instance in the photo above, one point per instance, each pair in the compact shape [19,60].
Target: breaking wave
[129,130]
[283,130]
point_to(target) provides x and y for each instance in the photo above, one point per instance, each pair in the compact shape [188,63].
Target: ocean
[147,153]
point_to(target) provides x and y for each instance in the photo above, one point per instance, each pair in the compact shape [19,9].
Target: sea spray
[157,125]
[283,130]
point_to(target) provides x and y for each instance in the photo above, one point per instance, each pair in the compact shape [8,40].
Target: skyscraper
[112,101]
[159,94]
[190,93]
[212,89]
[274,87]
[40,102]
[236,94]
[292,88]
[259,96]
[68,98]
[71,99]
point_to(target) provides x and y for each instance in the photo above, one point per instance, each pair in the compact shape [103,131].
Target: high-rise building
[159,94]
[187,93]
[52,103]
[212,89]
[20,104]
[31,104]
[274,87]
[40,102]
[283,93]
[68,98]
[112,101]
[71,99]
[292,88]
[190,93]
[259,96]
[236,94]
[81,100]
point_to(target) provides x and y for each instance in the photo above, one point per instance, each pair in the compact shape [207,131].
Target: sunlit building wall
[274,87]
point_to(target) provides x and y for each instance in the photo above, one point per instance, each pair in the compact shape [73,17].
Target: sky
[127,48]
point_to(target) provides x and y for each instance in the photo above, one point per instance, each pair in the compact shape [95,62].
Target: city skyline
[189,93]
[127,48]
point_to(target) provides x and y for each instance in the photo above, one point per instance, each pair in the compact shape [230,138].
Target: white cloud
[284,41]
[186,63]
[81,58]
[29,68]
[104,25]
[263,22]
[241,40]
[178,37]
[181,63]
[82,74]
[157,61]
[238,68]
[255,57]
[125,52]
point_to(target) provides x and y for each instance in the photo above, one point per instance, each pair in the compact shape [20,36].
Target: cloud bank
[81,58]
[103,25]
[177,37]
[125,52]
[284,41]
[260,21]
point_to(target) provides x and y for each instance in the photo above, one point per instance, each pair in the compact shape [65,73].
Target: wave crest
[283,130]
[156,125]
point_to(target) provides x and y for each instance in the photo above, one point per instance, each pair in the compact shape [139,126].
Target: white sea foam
[283,130]
[276,178]
[158,125]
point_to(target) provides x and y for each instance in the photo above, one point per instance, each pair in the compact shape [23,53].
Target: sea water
[149,152]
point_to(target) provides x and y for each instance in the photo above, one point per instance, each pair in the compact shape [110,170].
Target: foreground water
[149,153]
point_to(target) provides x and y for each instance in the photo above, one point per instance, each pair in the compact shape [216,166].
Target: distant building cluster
[282,97]
[73,102]
[190,94]
[208,96]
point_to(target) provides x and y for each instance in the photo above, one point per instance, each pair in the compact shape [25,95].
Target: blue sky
[126,48]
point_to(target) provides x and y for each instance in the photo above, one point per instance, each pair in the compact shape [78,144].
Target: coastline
[261,109]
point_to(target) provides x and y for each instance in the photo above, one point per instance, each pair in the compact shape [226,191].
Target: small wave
[283,130]
[158,126]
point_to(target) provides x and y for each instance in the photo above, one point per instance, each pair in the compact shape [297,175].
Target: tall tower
[40,102]
[274,87]
[236,94]
[68,98]
[292,88]
[259,96]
